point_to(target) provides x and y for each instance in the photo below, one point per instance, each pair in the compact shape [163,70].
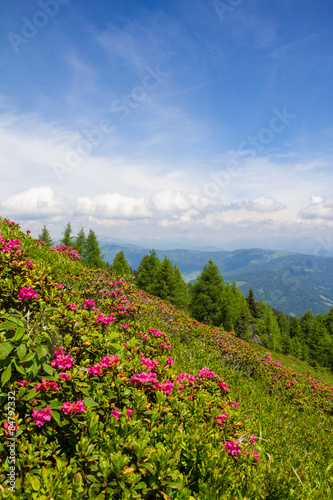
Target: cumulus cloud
[319,208]
[36,203]
[263,204]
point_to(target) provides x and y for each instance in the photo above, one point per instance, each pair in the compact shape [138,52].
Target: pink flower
[224,386]
[116,413]
[204,372]
[233,447]
[143,378]
[169,361]
[221,418]
[73,408]
[125,325]
[95,369]
[29,264]
[22,383]
[58,285]
[166,386]
[129,413]
[108,361]
[61,360]
[72,307]
[46,385]
[150,364]
[256,454]
[64,376]
[88,303]
[253,439]
[10,429]
[186,376]
[41,416]
[233,403]
[27,293]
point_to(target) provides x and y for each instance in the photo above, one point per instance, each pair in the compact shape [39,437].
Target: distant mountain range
[291,282]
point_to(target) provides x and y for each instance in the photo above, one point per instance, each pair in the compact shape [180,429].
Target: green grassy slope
[135,399]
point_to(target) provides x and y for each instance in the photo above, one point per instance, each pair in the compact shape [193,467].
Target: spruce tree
[252,304]
[206,295]
[79,243]
[120,265]
[45,236]
[93,255]
[67,238]
[147,273]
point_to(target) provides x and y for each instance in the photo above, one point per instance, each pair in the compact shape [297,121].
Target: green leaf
[88,401]
[6,325]
[19,368]
[41,351]
[5,349]
[35,368]
[48,368]
[21,351]
[31,394]
[28,357]
[56,416]
[55,405]
[6,375]
[18,334]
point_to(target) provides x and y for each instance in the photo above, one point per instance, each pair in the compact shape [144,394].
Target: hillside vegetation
[109,392]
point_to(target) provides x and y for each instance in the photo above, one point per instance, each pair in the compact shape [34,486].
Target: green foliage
[164,439]
[79,243]
[120,265]
[67,238]
[45,236]
[93,257]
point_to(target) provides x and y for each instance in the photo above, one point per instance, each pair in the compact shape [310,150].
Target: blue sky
[170,123]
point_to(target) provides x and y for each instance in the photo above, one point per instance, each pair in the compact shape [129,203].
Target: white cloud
[34,203]
[319,208]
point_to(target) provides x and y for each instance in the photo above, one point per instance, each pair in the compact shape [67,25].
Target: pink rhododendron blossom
[255,454]
[29,264]
[88,303]
[206,373]
[166,386]
[22,383]
[143,378]
[95,369]
[61,360]
[72,307]
[64,376]
[233,403]
[41,416]
[224,386]
[116,413]
[73,408]
[221,419]
[46,385]
[108,361]
[27,293]
[233,447]
[125,325]
[10,429]
[129,413]
[186,376]
[253,439]
[169,361]
[149,363]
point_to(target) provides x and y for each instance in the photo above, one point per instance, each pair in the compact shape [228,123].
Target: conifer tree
[80,243]
[170,284]
[92,253]
[147,273]
[45,236]
[120,265]
[252,304]
[67,238]
[206,295]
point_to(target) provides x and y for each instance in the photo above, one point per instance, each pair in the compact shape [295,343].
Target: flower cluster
[61,360]
[116,413]
[221,419]
[186,376]
[106,320]
[88,303]
[233,447]
[41,416]
[72,254]
[73,408]
[149,363]
[106,362]
[206,373]
[27,293]
[46,385]
[143,378]
[9,246]
[166,386]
